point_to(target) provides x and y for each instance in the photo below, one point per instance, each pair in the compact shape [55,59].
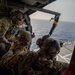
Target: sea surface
[64,32]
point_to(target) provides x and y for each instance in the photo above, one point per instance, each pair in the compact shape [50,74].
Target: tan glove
[12,47]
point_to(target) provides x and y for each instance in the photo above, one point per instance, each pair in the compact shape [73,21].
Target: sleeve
[26,64]
[9,60]
[5,59]
[4,26]
[60,66]
[29,63]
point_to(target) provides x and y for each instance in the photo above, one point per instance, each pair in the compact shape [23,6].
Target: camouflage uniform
[42,62]
[8,25]
[5,24]
[7,30]
[5,27]
[17,50]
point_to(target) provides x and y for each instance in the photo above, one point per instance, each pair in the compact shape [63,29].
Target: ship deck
[66,52]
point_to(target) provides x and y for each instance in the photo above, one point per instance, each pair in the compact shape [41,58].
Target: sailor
[47,63]
[17,50]
[7,29]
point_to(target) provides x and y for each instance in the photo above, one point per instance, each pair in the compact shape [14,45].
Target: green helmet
[23,36]
[50,47]
[17,17]
[40,41]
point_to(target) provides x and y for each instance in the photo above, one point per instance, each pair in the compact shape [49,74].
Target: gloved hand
[12,46]
[33,35]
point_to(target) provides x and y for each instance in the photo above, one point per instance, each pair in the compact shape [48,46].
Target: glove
[12,47]
[33,35]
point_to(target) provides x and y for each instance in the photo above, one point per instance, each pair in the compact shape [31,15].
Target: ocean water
[64,32]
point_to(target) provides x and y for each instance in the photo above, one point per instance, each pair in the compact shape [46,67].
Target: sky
[65,7]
